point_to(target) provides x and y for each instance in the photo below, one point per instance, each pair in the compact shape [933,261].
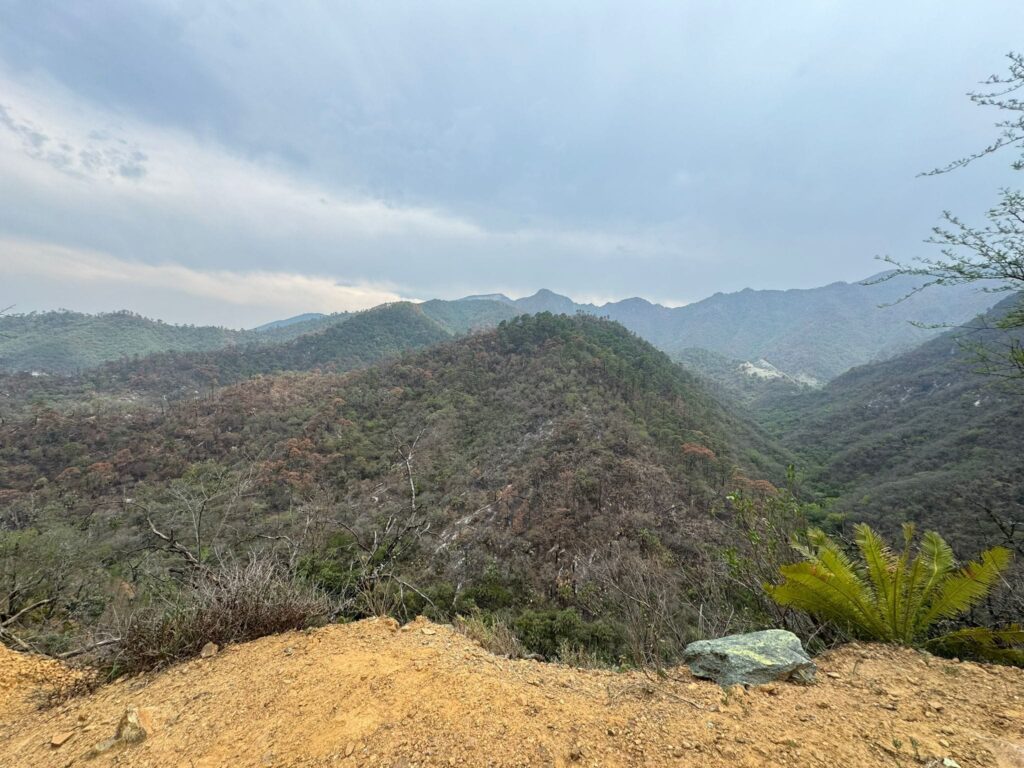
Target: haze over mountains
[807,335]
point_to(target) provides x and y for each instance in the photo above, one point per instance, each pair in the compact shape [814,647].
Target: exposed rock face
[755,658]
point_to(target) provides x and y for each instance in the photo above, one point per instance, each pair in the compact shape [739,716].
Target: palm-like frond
[887,596]
[881,567]
[933,564]
[827,584]
[1003,646]
[960,591]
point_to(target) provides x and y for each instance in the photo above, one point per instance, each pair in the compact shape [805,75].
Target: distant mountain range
[805,335]
[810,334]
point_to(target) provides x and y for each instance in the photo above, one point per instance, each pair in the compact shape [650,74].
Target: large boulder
[755,658]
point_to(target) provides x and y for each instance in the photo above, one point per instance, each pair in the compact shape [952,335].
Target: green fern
[889,596]
[1002,646]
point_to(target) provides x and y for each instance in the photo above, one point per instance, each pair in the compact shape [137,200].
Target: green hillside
[70,342]
[919,437]
[534,448]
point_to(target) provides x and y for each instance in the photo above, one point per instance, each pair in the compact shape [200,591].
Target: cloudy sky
[236,162]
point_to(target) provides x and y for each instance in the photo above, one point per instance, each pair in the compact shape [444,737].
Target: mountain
[65,343]
[919,437]
[303,318]
[808,334]
[523,456]
[739,382]
[346,343]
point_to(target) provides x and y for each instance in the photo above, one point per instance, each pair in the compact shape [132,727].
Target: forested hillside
[920,437]
[505,466]
[70,342]
[342,344]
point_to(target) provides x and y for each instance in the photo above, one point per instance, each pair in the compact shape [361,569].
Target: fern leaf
[1002,646]
[828,586]
[881,567]
[931,566]
[959,592]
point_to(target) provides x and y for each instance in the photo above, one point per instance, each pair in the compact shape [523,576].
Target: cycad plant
[897,597]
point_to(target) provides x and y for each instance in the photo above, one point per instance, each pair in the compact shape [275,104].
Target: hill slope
[532,450]
[342,344]
[372,694]
[918,437]
[69,342]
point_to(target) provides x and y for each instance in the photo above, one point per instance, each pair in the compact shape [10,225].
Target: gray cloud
[601,149]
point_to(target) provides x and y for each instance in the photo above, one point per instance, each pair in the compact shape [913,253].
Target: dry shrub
[577,656]
[235,603]
[496,637]
[65,688]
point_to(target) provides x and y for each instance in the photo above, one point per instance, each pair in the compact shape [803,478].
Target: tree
[897,597]
[993,252]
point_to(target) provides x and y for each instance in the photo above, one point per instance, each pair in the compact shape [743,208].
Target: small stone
[936,706]
[136,724]
[350,749]
[428,631]
[834,675]
[949,762]
[210,649]
[59,739]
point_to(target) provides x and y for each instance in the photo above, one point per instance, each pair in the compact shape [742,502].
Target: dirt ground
[370,694]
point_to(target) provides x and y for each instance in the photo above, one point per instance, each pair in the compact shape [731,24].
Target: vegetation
[508,476]
[556,485]
[920,437]
[894,597]
[69,342]
[992,254]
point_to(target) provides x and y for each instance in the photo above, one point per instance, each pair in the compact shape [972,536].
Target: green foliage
[550,632]
[920,436]
[1001,646]
[889,596]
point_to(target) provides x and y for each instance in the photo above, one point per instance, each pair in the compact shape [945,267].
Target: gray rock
[755,658]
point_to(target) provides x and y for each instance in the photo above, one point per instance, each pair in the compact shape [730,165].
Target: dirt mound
[370,694]
[24,674]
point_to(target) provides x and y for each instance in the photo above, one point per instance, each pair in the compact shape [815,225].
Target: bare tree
[993,253]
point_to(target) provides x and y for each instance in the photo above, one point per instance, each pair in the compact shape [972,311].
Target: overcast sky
[236,162]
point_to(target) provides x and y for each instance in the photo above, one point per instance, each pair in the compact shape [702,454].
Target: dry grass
[236,603]
[496,637]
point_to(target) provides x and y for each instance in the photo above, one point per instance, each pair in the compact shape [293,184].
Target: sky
[238,162]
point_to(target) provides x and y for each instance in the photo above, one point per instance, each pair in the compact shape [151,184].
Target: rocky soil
[371,694]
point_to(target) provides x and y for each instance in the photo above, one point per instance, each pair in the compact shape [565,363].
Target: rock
[210,649]
[755,658]
[101,748]
[136,724]
[59,739]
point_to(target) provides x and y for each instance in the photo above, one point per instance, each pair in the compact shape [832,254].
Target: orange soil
[369,694]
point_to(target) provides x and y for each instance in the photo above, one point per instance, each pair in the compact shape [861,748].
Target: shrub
[235,603]
[547,632]
[494,636]
[893,597]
